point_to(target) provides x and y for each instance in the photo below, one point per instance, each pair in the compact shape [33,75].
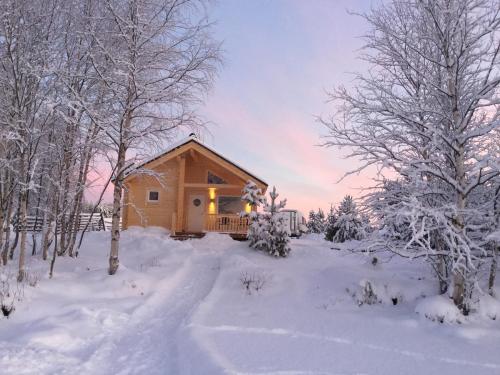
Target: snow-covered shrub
[489,307]
[316,222]
[439,309]
[348,224]
[252,282]
[370,293]
[11,291]
[32,278]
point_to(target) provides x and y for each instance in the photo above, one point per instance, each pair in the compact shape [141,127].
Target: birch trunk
[8,218]
[493,271]
[23,212]
[117,198]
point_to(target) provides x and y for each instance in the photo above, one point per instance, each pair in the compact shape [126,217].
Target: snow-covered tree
[81,80]
[316,222]
[27,33]
[278,240]
[427,112]
[268,230]
[157,58]
[348,224]
[252,194]
[310,221]
[330,228]
[50,116]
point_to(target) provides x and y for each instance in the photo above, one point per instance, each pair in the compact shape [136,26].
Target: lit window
[230,205]
[153,196]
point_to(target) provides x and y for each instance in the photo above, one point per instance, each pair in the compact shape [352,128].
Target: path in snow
[156,340]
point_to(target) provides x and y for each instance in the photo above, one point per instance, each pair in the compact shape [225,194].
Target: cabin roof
[182,143]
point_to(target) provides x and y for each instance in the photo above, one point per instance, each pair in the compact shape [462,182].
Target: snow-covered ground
[182,308]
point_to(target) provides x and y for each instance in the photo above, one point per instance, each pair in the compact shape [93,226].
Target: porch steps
[190,236]
[187,236]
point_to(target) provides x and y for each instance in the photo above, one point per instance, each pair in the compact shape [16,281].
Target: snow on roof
[191,138]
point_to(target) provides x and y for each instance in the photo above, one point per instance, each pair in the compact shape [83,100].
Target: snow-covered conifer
[268,230]
[330,228]
[316,222]
[348,224]
[278,240]
[252,194]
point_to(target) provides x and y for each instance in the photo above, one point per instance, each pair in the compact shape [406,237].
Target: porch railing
[226,224]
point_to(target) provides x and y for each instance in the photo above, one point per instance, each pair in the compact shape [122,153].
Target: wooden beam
[125,208]
[174,223]
[215,186]
[227,165]
[180,192]
[193,155]
[199,149]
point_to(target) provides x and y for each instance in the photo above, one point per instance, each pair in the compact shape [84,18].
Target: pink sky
[280,58]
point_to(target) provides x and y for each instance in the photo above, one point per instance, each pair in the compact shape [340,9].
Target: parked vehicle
[295,221]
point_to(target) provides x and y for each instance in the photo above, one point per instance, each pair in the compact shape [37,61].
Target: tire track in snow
[340,341]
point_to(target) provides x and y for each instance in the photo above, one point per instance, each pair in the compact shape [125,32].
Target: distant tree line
[343,223]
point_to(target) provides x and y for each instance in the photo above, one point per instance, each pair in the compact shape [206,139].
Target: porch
[232,224]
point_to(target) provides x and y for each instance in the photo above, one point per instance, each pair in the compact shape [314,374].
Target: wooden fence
[85,222]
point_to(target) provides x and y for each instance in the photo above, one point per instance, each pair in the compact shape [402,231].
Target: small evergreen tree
[330,228]
[268,230]
[316,222]
[278,239]
[311,222]
[253,196]
[321,220]
[349,225]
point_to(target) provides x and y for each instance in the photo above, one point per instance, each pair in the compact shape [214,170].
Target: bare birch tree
[428,111]
[26,29]
[161,60]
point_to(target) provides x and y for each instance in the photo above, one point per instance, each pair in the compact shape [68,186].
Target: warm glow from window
[212,208]
[211,193]
[248,208]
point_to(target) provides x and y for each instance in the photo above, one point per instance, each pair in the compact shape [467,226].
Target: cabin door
[196,212]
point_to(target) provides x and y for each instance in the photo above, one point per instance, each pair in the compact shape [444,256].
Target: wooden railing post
[174,223]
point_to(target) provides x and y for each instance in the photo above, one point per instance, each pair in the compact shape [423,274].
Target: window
[153,196]
[214,179]
[230,205]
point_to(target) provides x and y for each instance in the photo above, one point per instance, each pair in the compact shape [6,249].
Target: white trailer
[295,221]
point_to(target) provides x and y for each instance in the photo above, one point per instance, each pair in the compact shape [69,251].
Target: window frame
[148,195]
[210,172]
[229,196]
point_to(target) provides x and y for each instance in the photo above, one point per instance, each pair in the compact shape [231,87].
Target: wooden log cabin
[188,189]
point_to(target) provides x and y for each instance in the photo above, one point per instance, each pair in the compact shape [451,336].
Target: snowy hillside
[183,308]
